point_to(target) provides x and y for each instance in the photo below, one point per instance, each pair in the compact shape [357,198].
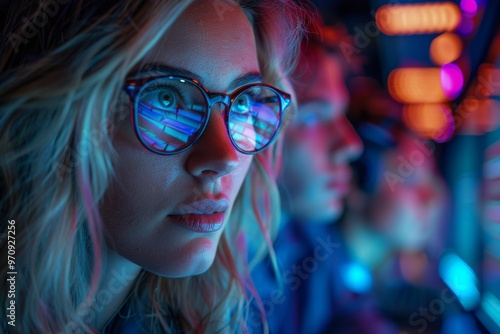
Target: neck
[118,277]
[366,244]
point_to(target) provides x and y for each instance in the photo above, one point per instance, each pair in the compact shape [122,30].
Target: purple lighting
[452,80]
[445,133]
[468,6]
[466,26]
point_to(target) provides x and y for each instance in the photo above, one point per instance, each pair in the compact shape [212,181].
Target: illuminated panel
[425,18]
[430,120]
[446,48]
[416,85]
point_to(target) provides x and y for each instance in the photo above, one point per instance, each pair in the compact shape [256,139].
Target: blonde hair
[59,94]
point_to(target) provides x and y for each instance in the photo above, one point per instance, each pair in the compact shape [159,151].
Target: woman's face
[158,213]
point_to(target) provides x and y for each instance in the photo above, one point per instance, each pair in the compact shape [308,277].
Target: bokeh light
[466,26]
[452,80]
[433,121]
[491,306]
[446,48]
[416,85]
[357,277]
[422,18]
[461,279]
[468,6]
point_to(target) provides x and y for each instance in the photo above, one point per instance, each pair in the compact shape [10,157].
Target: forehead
[325,79]
[323,89]
[212,39]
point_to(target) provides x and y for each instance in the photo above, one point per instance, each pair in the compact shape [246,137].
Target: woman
[127,169]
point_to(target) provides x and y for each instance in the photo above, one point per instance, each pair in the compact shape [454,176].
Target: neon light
[425,18]
[469,6]
[452,80]
[416,85]
[446,48]
[430,120]
[357,278]
[491,306]
[461,279]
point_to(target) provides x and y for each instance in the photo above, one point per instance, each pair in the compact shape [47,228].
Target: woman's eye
[167,99]
[164,98]
[243,103]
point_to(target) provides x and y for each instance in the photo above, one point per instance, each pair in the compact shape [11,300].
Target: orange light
[425,18]
[446,48]
[433,121]
[416,85]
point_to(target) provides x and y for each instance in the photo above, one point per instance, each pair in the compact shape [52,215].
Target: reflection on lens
[252,127]
[170,114]
[243,103]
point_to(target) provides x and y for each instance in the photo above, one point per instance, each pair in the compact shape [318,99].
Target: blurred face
[409,210]
[319,145]
[166,213]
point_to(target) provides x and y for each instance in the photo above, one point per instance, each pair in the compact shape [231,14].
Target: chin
[193,259]
[329,217]
[326,215]
[325,212]
[333,211]
[193,267]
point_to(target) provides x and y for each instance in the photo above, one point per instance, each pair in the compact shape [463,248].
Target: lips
[202,216]
[342,188]
[340,180]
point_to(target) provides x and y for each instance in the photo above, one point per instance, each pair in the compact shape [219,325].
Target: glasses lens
[254,118]
[170,114]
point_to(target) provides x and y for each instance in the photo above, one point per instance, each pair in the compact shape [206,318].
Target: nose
[213,155]
[347,145]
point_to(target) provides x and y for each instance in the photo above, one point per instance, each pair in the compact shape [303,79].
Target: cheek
[142,189]
[306,154]
[141,176]
[239,173]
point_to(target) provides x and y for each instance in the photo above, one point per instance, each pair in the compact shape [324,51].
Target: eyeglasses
[171,113]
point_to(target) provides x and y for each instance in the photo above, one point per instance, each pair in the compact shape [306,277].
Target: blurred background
[424,82]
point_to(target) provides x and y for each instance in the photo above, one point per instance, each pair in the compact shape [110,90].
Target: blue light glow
[357,277]
[461,279]
[491,306]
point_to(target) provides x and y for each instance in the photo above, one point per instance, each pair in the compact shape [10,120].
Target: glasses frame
[135,87]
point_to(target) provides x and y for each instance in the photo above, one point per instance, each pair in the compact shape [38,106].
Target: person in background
[394,220]
[313,291]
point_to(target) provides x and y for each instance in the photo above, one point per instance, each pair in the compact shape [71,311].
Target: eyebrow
[247,78]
